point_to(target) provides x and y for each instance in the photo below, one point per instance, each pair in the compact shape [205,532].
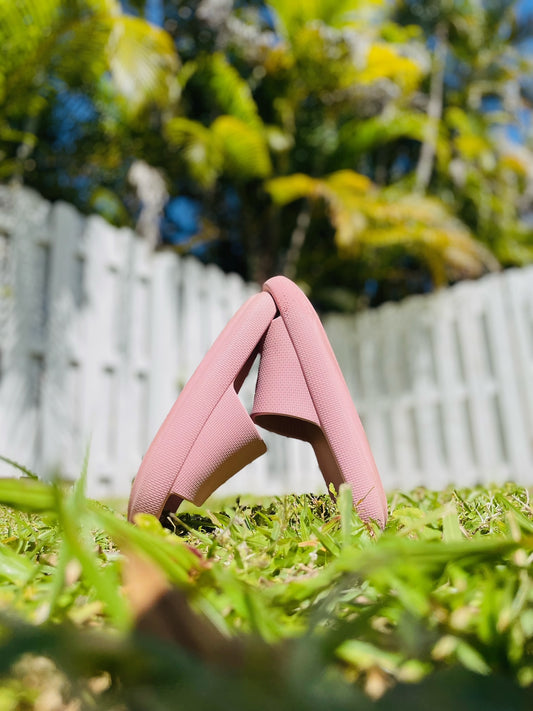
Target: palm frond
[22,28]
[229,146]
[230,91]
[357,136]
[78,41]
[289,188]
[362,214]
[244,148]
[293,14]
[143,63]
[200,151]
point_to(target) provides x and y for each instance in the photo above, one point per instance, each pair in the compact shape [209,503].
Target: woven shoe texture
[208,436]
[177,437]
[301,353]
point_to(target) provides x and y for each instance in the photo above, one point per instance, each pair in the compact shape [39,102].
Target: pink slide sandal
[208,436]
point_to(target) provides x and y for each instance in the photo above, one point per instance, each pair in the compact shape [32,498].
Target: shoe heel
[232,440]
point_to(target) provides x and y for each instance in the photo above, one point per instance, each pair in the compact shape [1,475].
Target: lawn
[290,602]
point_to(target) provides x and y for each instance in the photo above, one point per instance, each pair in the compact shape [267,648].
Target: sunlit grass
[326,606]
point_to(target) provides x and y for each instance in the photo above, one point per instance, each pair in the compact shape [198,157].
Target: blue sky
[525,6]
[154,11]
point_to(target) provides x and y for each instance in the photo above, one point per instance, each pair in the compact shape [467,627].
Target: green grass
[307,607]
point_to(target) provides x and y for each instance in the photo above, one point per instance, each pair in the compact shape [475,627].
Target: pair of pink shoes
[208,435]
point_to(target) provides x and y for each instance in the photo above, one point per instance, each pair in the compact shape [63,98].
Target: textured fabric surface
[340,424]
[281,388]
[208,435]
[227,442]
[222,365]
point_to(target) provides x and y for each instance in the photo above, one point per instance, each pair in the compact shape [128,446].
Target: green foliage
[77,42]
[416,97]
[328,607]
[228,147]
[364,215]
[89,50]
[230,92]
[360,136]
[348,87]
[335,13]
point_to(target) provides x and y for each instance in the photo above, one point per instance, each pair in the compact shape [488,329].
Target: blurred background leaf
[428,102]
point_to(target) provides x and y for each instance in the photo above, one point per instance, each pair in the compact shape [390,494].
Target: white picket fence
[444,383]
[97,337]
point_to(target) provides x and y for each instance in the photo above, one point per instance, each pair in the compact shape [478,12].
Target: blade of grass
[523,521]
[174,557]
[27,495]
[27,472]
[14,567]
[345,506]
[451,531]
[72,512]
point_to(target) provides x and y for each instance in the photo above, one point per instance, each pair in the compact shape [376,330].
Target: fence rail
[98,336]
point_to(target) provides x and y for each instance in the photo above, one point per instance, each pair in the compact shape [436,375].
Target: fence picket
[20,388]
[59,386]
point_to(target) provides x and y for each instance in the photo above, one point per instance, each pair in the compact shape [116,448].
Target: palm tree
[474,94]
[331,94]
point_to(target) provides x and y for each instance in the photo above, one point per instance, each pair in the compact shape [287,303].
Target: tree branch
[297,241]
[426,159]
